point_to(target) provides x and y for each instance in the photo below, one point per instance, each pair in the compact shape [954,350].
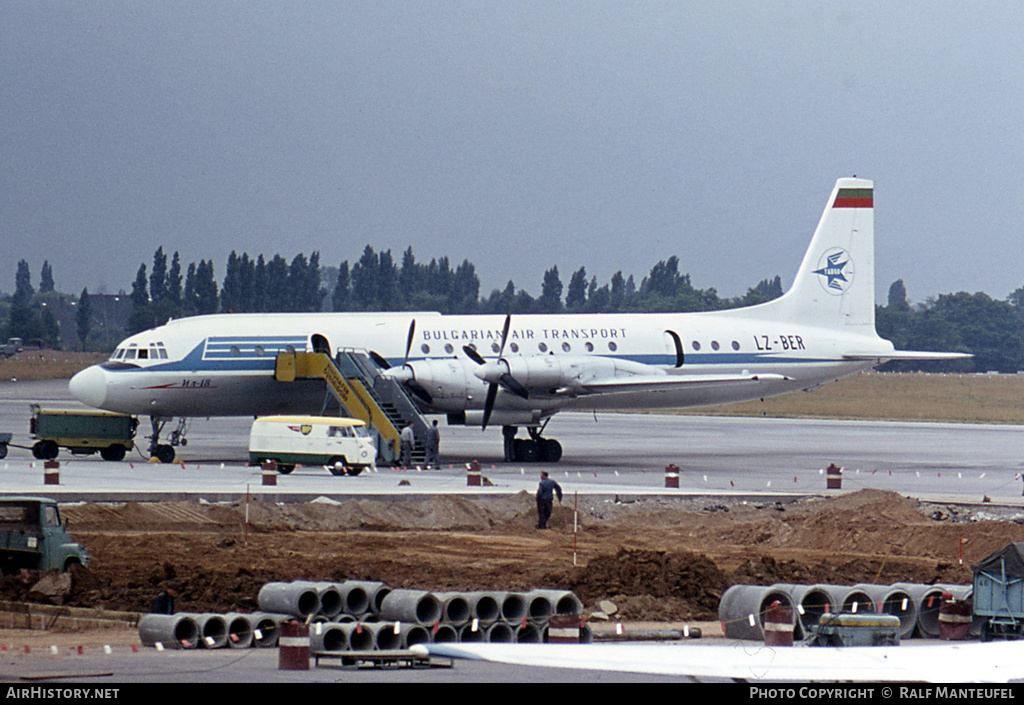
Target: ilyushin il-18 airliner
[519,371]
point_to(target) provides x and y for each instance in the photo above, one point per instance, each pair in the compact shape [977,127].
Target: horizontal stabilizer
[919,355]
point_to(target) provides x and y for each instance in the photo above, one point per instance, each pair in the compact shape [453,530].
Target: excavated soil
[657,559]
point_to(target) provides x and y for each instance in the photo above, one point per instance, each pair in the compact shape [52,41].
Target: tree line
[377,282]
[991,329]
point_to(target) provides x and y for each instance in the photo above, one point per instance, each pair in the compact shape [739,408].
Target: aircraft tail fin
[835,285]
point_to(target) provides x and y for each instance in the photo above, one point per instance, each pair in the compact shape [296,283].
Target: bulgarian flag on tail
[854,198]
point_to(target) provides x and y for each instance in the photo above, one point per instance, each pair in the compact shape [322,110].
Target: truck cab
[33,537]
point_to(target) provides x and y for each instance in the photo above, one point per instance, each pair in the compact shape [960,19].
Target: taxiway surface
[605,454]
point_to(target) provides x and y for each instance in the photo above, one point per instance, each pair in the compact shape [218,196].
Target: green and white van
[342,445]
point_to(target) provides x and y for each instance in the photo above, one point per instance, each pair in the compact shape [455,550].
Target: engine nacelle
[444,380]
[548,373]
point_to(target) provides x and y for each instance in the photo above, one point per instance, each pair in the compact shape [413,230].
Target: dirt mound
[693,581]
[662,558]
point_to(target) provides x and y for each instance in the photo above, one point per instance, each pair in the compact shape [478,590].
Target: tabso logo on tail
[835,269]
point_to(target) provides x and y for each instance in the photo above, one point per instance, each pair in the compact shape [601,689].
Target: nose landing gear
[164,452]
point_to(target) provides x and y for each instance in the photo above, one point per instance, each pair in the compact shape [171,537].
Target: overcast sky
[517,135]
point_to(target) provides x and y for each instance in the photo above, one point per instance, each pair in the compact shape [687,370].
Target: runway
[605,454]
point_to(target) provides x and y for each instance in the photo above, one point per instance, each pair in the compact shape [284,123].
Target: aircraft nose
[90,386]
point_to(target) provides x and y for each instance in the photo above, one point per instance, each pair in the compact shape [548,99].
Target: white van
[342,445]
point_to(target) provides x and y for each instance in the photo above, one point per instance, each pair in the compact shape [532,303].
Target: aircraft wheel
[113,453]
[550,450]
[526,451]
[164,453]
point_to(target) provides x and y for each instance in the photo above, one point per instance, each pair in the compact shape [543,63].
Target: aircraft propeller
[408,379]
[505,379]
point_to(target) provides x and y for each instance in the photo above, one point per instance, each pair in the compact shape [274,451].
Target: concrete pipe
[213,630]
[327,636]
[741,609]
[385,636]
[544,603]
[331,602]
[239,630]
[359,637]
[455,608]
[928,600]
[266,629]
[484,606]
[897,601]
[500,633]
[471,633]
[173,631]
[513,606]
[809,602]
[529,634]
[297,599]
[445,634]
[417,606]
[858,600]
[375,592]
[412,634]
[355,599]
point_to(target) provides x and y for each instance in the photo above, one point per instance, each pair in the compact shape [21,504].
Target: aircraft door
[320,344]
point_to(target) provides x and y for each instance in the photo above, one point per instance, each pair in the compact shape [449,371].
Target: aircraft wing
[949,662]
[668,383]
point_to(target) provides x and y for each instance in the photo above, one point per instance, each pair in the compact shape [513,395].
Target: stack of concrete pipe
[188,630]
[742,607]
[364,615]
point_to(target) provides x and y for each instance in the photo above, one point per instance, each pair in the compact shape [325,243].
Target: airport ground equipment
[999,593]
[871,629]
[362,392]
[5,440]
[342,445]
[33,537]
[13,346]
[81,432]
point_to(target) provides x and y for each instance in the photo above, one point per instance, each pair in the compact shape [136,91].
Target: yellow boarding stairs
[362,394]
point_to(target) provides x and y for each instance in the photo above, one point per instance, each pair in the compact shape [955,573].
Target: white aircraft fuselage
[519,370]
[223,365]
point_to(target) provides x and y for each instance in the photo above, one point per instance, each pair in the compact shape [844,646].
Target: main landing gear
[534,449]
[164,452]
